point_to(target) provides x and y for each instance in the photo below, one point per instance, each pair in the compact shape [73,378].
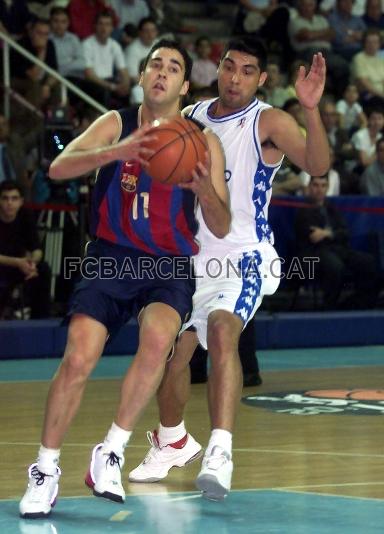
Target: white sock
[116,440]
[222,438]
[171,434]
[48,460]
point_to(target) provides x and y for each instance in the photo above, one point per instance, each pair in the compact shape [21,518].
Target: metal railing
[64,83]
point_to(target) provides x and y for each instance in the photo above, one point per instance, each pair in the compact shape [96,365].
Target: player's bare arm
[311,153]
[98,146]
[208,183]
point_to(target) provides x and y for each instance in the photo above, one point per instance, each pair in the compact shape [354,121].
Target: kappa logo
[317,402]
[242,122]
[221,296]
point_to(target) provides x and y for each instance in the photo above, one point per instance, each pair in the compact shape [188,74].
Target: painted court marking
[120,516]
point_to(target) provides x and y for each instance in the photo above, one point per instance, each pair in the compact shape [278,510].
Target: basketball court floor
[308,451]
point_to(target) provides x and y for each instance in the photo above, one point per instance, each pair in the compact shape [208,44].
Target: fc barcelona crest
[129,176]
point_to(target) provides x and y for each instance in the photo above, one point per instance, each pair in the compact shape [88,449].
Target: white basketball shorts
[236,282]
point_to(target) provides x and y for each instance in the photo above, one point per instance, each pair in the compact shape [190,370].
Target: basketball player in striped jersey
[134,218]
[255,138]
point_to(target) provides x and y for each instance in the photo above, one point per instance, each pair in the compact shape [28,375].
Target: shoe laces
[112,459]
[38,476]
[217,458]
[155,446]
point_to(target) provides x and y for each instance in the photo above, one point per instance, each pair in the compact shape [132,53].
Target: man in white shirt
[103,57]
[69,51]
[130,11]
[140,47]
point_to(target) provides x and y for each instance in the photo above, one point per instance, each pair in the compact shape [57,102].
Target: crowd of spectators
[99,45]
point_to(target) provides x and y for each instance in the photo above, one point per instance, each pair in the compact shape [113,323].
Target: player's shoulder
[275,119]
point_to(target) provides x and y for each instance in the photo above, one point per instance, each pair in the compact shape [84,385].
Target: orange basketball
[180,144]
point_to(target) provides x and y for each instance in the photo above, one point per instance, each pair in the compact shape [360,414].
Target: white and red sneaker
[40,497]
[104,474]
[160,460]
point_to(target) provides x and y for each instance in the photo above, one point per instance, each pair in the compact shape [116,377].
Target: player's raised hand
[309,87]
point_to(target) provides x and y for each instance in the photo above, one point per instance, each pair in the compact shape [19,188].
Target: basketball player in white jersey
[255,138]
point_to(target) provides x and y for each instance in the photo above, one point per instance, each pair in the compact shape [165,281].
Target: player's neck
[146,114]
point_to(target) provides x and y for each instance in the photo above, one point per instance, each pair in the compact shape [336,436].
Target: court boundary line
[245,450]
[283,489]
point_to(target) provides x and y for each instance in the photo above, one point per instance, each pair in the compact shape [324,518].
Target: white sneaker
[104,474]
[159,460]
[214,479]
[40,497]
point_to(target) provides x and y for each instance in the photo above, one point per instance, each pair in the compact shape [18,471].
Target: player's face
[163,79]
[239,76]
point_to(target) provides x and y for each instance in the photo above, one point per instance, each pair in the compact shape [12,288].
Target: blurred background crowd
[99,45]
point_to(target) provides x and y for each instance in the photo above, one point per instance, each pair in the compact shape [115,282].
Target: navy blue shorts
[117,282]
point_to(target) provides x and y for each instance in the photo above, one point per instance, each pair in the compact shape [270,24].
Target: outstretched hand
[309,87]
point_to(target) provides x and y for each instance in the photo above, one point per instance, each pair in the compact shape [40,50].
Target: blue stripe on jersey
[98,193]
[250,291]
[262,181]
[114,203]
[176,206]
[195,108]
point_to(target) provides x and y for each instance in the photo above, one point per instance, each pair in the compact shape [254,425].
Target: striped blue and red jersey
[132,210]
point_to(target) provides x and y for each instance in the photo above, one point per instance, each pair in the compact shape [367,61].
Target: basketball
[180,144]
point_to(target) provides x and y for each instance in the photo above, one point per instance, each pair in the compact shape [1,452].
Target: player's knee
[156,342]
[76,367]
[220,336]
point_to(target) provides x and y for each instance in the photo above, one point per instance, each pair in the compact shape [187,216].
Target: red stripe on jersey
[183,228]
[126,226]
[103,228]
[159,217]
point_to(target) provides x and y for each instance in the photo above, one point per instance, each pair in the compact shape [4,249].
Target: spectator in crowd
[103,57]
[351,114]
[322,232]
[327,6]
[292,106]
[166,18]
[368,67]
[69,51]
[254,13]
[292,76]
[333,179]
[30,80]
[311,33]
[83,13]
[129,11]
[277,95]
[13,154]
[374,16]
[287,180]
[204,70]
[20,252]
[14,17]
[140,47]
[338,138]
[365,139]
[372,179]
[128,35]
[348,29]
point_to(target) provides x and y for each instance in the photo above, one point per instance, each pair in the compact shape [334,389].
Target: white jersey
[249,179]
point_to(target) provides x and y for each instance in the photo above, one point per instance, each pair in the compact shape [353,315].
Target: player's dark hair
[173,45]
[250,46]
